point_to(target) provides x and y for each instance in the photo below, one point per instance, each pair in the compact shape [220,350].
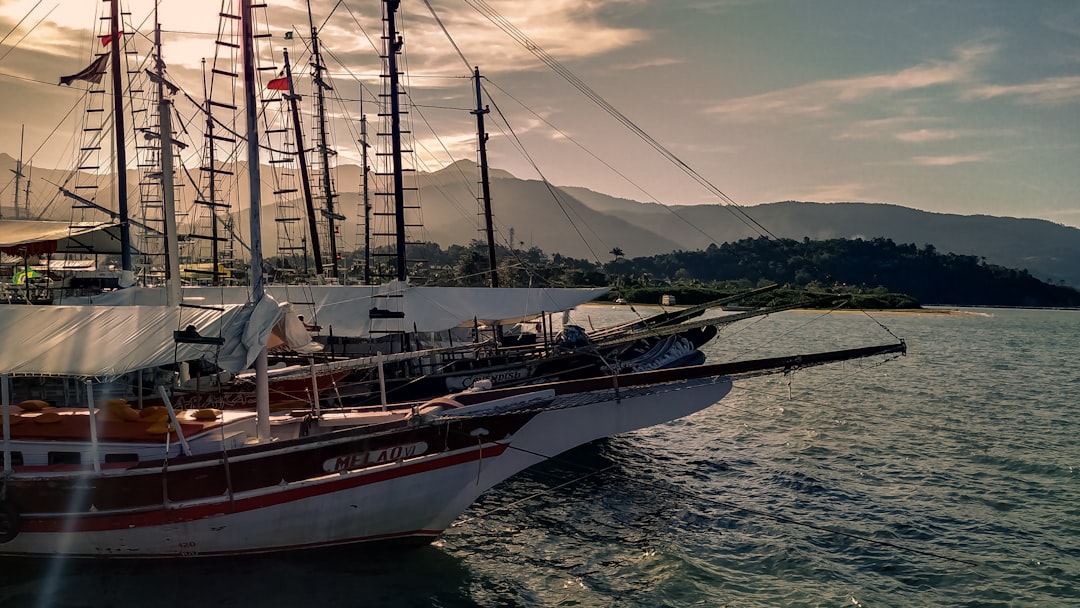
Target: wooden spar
[393,47]
[168,191]
[301,159]
[324,150]
[262,385]
[215,253]
[18,175]
[118,130]
[367,203]
[212,186]
[485,188]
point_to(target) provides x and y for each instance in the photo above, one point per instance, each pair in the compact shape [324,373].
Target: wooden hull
[397,481]
[284,394]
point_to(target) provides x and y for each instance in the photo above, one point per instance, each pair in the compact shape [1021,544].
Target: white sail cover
[104,342]
[346,309]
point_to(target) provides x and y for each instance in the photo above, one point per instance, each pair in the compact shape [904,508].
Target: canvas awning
[41,237]
[347,308]
[104,342]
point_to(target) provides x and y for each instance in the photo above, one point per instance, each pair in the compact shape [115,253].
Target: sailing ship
[109,481]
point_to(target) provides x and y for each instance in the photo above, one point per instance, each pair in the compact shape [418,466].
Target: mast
[215,253]
[324,149]
[119,133]
[168,191]
[301,158]
[485,189]
[26,193]
[18,175]
[262,387]
[394,43]
[367,204]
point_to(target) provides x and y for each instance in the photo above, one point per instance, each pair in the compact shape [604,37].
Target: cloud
[720,7]
[920,136]
[565,29]
[850,191]
[1048,92]
[1063,19]
[658,62]
[949,160]
[824,97]
[881,128]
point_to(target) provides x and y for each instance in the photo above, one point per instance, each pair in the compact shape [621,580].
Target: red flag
[107,38]
[278,84]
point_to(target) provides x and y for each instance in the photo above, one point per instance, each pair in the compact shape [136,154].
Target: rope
[28,32]
[502,23]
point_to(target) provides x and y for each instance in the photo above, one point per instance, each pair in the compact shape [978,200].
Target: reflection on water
[365,576]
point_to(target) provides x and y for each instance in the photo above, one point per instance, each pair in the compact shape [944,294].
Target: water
[944,478]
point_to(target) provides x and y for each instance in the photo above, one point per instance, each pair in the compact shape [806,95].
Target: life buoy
[9,522]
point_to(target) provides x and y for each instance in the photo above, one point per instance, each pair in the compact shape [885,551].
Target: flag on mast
[278,84]
[107,38]
[93,72]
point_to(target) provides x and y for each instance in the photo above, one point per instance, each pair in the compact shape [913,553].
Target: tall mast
[119,132]
[168,192]
[394,43]
[485,189]
[324,149]
[367,204]
[301,159]
[215,252]
[262,387]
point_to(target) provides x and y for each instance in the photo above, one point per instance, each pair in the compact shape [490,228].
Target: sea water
[947,477]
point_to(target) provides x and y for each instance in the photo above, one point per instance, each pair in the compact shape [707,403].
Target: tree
[617,252]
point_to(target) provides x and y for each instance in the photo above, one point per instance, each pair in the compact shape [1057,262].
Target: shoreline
[926,310]
[901,311]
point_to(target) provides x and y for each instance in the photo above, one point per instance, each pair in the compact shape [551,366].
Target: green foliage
[924,274]
[875,273]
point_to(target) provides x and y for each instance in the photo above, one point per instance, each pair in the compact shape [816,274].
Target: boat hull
[403,483]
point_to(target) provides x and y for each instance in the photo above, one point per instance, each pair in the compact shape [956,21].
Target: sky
[966,107]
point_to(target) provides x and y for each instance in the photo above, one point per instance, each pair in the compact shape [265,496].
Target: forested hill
[923,273]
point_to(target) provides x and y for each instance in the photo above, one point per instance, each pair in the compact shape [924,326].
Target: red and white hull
[411,481]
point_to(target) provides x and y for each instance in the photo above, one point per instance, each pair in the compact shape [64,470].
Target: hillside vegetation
[881,273]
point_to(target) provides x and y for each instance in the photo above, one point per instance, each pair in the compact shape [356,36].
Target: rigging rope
[28,32]
[551,189]
[502,23]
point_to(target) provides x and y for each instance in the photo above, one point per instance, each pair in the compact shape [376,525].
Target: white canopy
[346,309]
[103,342]
[77,237]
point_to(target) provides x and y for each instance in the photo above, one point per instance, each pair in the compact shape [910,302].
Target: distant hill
[580,223]
[1049,251]
[878,264]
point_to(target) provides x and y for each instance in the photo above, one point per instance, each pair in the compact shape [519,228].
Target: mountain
[1047,250]
[580,223]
